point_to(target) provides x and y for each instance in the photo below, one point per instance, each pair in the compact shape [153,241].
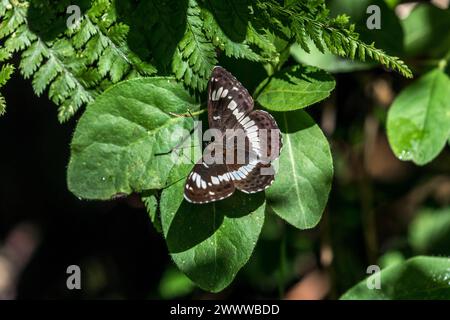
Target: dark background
[373,202]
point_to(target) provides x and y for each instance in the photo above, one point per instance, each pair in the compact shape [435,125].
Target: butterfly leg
[182,115]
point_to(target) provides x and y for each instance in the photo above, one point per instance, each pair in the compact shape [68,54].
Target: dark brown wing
[257,177]
[208,182]
[251,169]
[263,134]
[228,100]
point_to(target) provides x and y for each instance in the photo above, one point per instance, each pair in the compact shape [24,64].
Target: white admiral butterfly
[230,112]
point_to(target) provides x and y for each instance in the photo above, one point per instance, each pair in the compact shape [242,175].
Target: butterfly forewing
[228,100]
[249,140]
[262,135]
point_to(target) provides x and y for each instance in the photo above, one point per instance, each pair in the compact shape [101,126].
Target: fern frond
[5,73]
[19,39]
[2,105]
[345,42]
[32,58]
[45,75]
[83,33]
[11,19]
[4,54]
[73,65]
[220,40]
[260,39]
[195,55]
[310,19]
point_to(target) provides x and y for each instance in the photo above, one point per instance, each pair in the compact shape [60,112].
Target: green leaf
[210,242]
[429,233]
[303,182]
[294,88]
[423,31]
[119,141]
[417,278]
[418,123]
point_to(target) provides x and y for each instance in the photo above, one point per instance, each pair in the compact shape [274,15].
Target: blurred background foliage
[381,210]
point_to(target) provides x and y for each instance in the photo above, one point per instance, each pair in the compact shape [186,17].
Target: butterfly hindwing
[257,177]
[228,100]
[250,173]
[208,182]
[262,136]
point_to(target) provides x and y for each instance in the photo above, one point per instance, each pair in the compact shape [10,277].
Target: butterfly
[246,143]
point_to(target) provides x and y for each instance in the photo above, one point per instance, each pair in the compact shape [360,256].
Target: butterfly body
[245,143]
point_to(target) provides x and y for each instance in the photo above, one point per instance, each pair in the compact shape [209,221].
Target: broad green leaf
[424,31]
[417,278]
[429,233]
[122,141]
[418,123]
[294,88]
[303,181]
[210,242]
[327,61]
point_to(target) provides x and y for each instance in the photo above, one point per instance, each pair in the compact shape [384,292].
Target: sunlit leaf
[122,141]
[303,181]
[423,31]
[418,123]
[417,278]
[294,88]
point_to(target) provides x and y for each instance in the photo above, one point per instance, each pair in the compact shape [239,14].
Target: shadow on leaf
[193,223]
[232,17]
[156,28]
[49,21]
